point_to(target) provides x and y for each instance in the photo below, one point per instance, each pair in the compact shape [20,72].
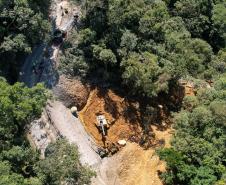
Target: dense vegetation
[197,156]
[19,163]
[147,46]
[23,25]
[62,165]
[19,105]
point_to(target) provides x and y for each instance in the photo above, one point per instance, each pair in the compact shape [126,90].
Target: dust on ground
[121,115]
[134,165]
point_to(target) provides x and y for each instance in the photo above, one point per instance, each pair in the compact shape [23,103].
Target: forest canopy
[147,46]
[143,46]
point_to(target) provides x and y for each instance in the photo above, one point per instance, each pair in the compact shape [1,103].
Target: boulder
[122,142]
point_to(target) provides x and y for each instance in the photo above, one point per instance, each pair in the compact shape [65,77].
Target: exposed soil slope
[72,92]
[133,165]
[121,114]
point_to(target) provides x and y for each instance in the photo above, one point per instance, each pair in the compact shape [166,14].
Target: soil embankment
[132,164]
[122,116]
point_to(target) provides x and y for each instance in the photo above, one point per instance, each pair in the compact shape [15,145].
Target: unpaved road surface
[40,65]
[72,129]
[38,68]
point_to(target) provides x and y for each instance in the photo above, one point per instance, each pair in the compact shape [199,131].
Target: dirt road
[40,67]
[72,129]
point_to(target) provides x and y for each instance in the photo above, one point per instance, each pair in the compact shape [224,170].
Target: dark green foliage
[23,25]
[200,139]
[19,105]
[7,176]
[72,62]
[62,165]
[181,34]
[219,22]
[141,72]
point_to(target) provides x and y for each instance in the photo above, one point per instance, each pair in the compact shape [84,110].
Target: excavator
[102,124]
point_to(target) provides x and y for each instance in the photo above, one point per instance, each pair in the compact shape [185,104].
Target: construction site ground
[132,164]
[121,115]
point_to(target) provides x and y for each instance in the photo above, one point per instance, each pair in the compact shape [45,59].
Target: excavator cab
[102,124]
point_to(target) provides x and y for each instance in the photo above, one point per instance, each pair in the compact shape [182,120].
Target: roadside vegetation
[19,105]
[24,24]
[145,47]
[19,163]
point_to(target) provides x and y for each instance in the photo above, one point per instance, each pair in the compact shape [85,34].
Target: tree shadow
[110,105]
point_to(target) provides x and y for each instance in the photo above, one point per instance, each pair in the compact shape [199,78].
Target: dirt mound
[122,116]
[72,92]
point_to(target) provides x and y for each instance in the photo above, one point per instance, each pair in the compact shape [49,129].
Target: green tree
[196,15]
[125,13]
[19,105]
[86,37]
[151,21]
[7,176]
[141,72]
[128,41]
[62,165]
[200,139]
[17,17]
[219,21]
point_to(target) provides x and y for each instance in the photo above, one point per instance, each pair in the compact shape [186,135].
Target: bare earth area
[132,165]
[121,115]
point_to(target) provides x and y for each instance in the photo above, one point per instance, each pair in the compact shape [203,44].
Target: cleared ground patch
[122,116]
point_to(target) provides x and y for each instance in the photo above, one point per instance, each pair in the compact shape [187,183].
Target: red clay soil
[120,114]
[132,164]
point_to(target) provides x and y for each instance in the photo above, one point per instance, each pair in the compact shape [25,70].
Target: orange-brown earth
[132,164]
[122,116]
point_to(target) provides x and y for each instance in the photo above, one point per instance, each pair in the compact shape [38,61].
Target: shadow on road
[39,67]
